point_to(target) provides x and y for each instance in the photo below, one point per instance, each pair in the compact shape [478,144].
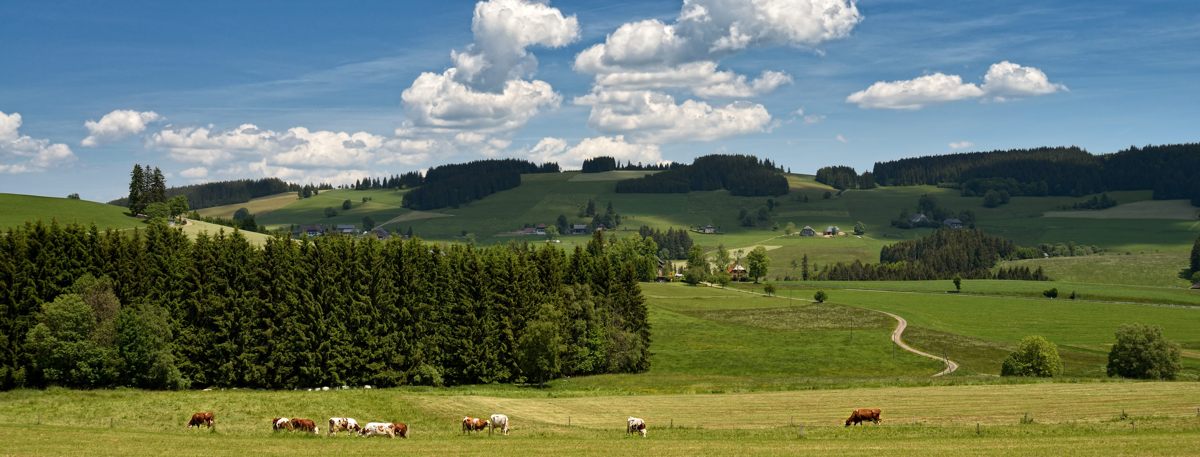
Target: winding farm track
[897,334]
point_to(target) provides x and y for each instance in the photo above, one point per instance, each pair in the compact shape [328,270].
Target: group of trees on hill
[1168,170]
[208,194]
[456,184]
[672,244]
[944,254]
[843,177]
[402,181]
[606,163]
[146,185]
[153,309]
[741,175]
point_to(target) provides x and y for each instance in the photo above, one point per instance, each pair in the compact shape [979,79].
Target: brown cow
[305,425]
[861,415]
[281,423]
[203,418]
[401,429]
[473,424]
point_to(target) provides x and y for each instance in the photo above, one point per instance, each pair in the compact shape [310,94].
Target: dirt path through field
[897,334]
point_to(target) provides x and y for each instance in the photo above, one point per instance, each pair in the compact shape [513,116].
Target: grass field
[194,228]
[257,206]
[383,205]
[1157,209]
[960,420]
[16,210]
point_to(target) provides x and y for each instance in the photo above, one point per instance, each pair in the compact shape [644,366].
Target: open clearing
[16,210]
[1150,209]
[257,206]
[615,175]
[194,228]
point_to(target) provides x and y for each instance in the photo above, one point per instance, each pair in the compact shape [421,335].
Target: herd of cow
[633,425]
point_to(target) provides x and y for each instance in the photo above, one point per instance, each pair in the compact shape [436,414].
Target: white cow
[379,428]
[501,421]
[281,423]
[343,423]
[636,425]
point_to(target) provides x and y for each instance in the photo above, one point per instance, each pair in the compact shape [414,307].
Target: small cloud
[841,139]
[194,173]
[118,124]
[961,145]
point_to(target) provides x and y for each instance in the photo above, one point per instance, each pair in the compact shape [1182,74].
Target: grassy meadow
[19,209]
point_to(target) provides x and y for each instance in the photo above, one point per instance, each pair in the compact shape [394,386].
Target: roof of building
[952,221]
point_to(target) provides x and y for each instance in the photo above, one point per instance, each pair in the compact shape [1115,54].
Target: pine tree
[156,188]
[137,202]
[1196,256]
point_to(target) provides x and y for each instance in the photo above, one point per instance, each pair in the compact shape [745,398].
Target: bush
[820,296]
[1050,293]
[346,205]
[1035,356]
[1141,352]
[330,212]
[769,289]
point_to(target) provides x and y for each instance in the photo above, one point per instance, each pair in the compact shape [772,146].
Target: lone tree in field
[1035,356]
[1141,352]
[958,283]
[769,289]
[820,296]
[860,228]
[1196,256]
[757,262]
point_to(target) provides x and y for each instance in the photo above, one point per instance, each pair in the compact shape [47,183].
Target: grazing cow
[861,415]
[305,425]
[401,429]
[281,423]
[203,418]
[348,424]
[473,424]
[380,428]
[501,421]
[635,425]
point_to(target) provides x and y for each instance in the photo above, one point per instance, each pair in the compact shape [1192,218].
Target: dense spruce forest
[741,175]
[944,254]
[606,163]
[457,184]
[153,309]
[843,177]
[672,244]
[1168,170]
[224,192]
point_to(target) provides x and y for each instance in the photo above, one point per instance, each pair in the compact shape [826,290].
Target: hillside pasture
[193,228]
[257,206]
[1148,209]
[16,210]
[1153,269]
[384,205]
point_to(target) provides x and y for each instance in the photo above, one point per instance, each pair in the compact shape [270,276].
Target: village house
[311,230]
[808,231]
[346,229]
[832,230]
[708,229]
[918,219]
[540,229]
[579,229]
[381,233]
[737,272]
[953,223]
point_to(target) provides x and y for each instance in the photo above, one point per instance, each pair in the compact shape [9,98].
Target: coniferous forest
[944,254]
[741,175]
[456,184]
[223,192]
[153,309]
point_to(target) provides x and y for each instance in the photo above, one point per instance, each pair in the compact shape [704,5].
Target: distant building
[381,233]
[540,229]
[579,229]
[808,231]
[709,229]
[737,272]
[832,230]
[528,231]
[346,229]
[311,230]
[919,218]
[953,223]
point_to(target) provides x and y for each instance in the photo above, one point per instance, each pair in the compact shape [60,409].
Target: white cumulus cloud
[1003,81]
[571,157]
[194,173]
[24,154]
[956,145]
[655,117]
[118,124]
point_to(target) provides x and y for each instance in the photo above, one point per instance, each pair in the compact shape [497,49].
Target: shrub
[820,296]
[1035,356]
[330,212]
[346,205]
[1141,352]
[1050,293]
[769,289]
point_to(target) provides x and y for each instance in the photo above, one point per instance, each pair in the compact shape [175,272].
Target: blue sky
[336,90]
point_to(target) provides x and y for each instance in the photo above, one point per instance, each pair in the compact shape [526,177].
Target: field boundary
[897,333]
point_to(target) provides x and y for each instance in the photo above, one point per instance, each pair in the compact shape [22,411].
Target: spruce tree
[158,187]
[137,201]
[1196,256]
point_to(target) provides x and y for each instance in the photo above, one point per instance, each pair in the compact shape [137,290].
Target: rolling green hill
[17,209]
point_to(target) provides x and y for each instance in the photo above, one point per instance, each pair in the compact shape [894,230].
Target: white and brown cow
[499,421]
[281,423]
[380,428]
[635,425]
[339,424]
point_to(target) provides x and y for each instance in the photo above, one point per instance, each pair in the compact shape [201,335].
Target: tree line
[672,244]
[1167,170]
[943,254]
[741,175]
[402,181]
[203,195]
[607,163]
[456,184]
[842,177]
[154,309]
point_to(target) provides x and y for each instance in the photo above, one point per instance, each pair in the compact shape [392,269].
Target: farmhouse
[381,233]
[346,229]
[708,229]
[919,218]
[311,230]
[953,223]
[808,231]
[540,229]
[737,272]
[579,229]
[832,230]
[528,231]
